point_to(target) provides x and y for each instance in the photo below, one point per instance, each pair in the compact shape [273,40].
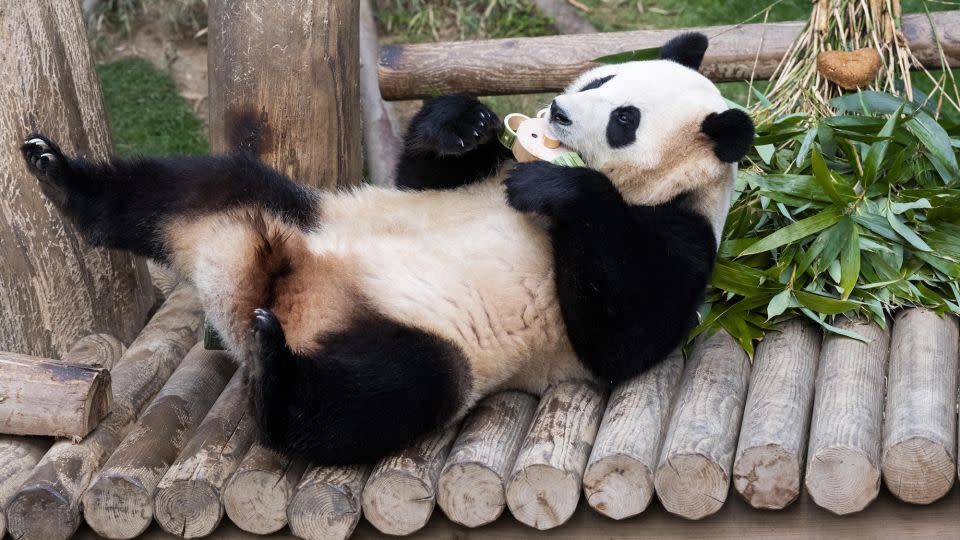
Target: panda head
[657,128]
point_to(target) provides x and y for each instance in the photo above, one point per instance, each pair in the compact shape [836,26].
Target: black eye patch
[622,126]
[596,83]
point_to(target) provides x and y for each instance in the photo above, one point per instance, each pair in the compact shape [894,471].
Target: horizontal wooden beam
[548,64]
[46,397]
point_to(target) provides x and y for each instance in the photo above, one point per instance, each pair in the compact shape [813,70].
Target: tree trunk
[54,288]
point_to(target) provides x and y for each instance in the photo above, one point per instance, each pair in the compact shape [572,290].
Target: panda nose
[558,115]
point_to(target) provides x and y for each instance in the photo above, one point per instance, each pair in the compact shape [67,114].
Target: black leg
[370,390]
[122,203]
[629,278]
[452,141]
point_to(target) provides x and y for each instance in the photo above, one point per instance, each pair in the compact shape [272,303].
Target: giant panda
[373,316]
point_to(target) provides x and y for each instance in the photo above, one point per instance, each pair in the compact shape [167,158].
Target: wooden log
[326,505]
[47,506]
[768,467]
[381,138]
[618,481]
[119,502]
[545,482]
[400,494]
[693,474]
[164,278]
[45,397]
[472,484]
[188,500]
[19,455]
[550,63]
[919,427]
[843,460]
[54,287]
[292,69]
[257,494]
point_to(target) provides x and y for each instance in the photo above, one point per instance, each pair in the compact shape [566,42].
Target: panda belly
[461,265]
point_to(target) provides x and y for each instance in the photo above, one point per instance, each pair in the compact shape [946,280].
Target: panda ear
[686,49]
[731,132]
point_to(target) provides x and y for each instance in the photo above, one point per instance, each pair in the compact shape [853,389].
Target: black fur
[452,141]
[121,204]
[732,134]
[596,83]
[629,278]
[370,390]
[622,126]
[687,49]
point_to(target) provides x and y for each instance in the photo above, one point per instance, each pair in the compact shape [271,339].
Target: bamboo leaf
[779,303]
[824,304]
[906,232]
[796,231]
[850,262]
[651,53]
[878,150]
[825,177]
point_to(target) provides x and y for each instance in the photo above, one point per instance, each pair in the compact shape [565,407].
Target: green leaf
[906,232]
[899,208]
[878,150]
[834,329]
[766,152]
[850,262]
[798,187]
[796,231]
[827,305]
[651,53]
[825,177]
[779,303]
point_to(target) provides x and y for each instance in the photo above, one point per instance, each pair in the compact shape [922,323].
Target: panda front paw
[452,126]
[543,188]
[43,157]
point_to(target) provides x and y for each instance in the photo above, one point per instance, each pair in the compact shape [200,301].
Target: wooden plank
[472,485]
[257,494]
[47,506]
[919,426]
[550,63]
[305,99]
[618,481]
[545,482]
[402,489]
[119,502]
[188,501]
[46,397]
[843,461]
[54,287]
[381,138]
[19,455]
[327,505]
[768,467]
[693,474]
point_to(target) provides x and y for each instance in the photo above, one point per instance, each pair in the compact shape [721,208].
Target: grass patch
[417,21]
[146,114]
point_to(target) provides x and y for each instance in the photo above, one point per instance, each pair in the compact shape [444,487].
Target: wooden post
[693,475]
[545,483]
[55,288]
[257,494]
[119,502]
[768,467]
[919,426]
[472,485]
[291,66]
[401,492]
[618,481]
[45,397]
[381,139]
[843,461]
[326,505]
[19,455]
[47,506]
[188,500]
[550,63]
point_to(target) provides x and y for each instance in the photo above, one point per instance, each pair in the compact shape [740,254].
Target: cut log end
[918,470]
[397,503]
[117,507]
[41,513]
[471,494]
[768,477]
[323,512]
[256,501]
[189,509]
[691,486]
[542,496]
[842,480]
[618,486]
